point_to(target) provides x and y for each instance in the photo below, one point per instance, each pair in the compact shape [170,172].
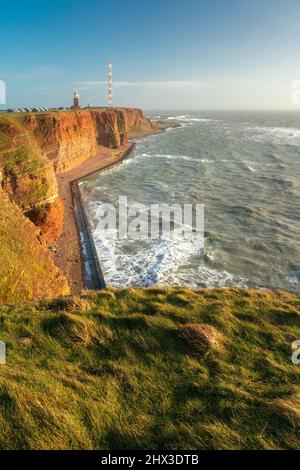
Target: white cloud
[154,84]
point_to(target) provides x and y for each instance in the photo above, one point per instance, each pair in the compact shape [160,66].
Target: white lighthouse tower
[76,100]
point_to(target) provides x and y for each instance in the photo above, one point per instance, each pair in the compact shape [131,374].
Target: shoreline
[74,253]
[67,251]
[92,274]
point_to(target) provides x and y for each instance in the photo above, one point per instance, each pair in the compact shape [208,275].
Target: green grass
[22,163]
[109,370]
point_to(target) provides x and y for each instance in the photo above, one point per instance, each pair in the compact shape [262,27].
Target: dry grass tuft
[25,340]
[201,336]
[73,304]
[78,304]
[74,329]
[105,335]
[288,408]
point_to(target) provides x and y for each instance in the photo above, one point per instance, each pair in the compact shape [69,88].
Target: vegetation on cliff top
[22,163]
[113,369]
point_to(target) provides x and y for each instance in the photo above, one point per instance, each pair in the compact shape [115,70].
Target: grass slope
[109,370]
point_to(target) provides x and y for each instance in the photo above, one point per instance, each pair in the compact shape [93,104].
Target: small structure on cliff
[76,100]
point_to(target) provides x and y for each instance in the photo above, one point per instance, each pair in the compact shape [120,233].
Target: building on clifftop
[76,100]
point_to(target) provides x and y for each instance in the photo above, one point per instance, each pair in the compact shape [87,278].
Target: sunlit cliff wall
[69,138]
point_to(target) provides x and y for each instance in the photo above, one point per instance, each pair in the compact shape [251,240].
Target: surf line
[92,272]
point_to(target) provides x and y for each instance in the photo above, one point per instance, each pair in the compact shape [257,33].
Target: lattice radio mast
[110,85]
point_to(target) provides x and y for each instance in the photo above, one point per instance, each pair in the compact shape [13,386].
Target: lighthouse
[76,101]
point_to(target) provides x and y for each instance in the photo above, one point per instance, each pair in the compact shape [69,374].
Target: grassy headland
[110,369]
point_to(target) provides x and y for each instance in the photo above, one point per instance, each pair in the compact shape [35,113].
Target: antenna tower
[110,85]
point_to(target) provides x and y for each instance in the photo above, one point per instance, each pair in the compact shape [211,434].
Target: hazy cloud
[222,93]
[155,84]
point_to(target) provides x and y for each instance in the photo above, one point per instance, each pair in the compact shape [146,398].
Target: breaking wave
[283,135]
[182,157]
[187,118]
[143,262]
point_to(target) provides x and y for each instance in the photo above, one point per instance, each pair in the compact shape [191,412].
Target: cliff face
[27,270]
[69,138]
[28,177]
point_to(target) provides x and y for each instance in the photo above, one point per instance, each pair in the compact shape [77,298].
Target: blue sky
[174,54]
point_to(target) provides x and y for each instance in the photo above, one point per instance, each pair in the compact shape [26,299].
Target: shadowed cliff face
[69,138]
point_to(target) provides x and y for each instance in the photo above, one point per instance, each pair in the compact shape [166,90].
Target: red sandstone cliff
[68,138]
[28,178]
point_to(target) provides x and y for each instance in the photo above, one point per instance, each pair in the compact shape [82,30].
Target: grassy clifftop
[113,369]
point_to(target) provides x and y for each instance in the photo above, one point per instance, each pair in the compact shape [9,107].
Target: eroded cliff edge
[34,148]
[69,138]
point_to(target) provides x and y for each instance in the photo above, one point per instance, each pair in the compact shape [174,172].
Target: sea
[243,167]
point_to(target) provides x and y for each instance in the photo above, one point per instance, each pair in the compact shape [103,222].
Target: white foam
[172,157]
[281,134]
[292,280]
[213,278]
[280,130]
[178,117]
[191,119]
[181,157]
[164,261]
[143,263]
[202,120]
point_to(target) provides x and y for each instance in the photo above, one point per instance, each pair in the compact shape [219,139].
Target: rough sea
[244,167]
